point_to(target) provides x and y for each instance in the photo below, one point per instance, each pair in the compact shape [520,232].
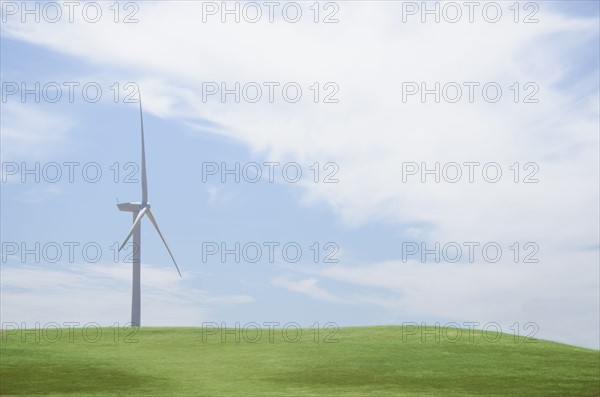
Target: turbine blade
[151,217]
[144,185]
[135,223]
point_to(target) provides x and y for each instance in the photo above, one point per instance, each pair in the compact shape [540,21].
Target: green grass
[365,361]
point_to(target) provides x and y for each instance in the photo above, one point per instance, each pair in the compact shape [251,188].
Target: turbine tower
[139,209]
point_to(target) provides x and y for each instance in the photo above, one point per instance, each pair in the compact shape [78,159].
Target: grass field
[364,361]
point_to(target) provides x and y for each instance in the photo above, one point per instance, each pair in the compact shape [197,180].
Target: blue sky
[370,134]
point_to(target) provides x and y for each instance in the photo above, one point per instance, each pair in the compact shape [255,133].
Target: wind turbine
[139,209]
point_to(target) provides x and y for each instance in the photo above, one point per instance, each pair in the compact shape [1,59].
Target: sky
[449,168]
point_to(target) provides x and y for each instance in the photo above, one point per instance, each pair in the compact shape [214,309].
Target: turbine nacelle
[141,210]
[132,206]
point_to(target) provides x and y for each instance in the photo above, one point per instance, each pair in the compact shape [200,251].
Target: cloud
[564,306]
[31,133]
[101,293]
[370,133]
[307,286]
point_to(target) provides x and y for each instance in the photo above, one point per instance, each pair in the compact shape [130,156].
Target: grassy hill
[362,361]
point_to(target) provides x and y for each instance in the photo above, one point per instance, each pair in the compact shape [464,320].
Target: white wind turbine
[139,209]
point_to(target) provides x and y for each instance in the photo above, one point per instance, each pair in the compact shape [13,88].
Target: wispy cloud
[31,133]
[564,306]
[102,293]
[308,287]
